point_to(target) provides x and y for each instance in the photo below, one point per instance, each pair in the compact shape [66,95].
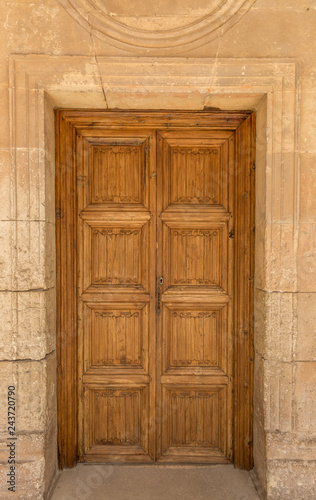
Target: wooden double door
[155,273]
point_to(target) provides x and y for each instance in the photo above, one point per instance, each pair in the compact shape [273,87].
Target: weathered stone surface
[291,480]
[305,396]
[29,485]
[276,257]
[306,269]
[143,100]
[5,119]
[6,238]
[290,446]
[5,185]
[259,456]
[308,186]
[50,455]
[308,122]
[274,325]
[30,380]
[258,396]
[278,382]
[30,178]
[28,324]
[35,255]
[29,447]
[305,346]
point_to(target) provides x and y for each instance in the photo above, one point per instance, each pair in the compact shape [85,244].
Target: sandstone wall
[265,59]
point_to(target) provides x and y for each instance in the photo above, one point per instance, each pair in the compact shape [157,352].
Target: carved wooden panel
[117,174]
[116,335]
[115,417]
[194,168]
[157,216]
[117,255]
[193,418]
[195,425]
[194,337]
[195,256]
[194,175]
[121,348]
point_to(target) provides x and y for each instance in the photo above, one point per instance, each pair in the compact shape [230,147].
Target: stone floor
[153,482]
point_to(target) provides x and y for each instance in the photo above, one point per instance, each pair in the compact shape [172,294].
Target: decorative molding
[113,393]
[123,314]
[111,279]
[93,16]
[117,150]
[193,280]
[121,232]
[188,362]
[115,199]
[197,395]
[196,151]
[194,199]
[200,315]
[195,233]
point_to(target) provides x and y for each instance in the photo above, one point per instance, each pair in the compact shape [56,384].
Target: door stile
[160,414]
[153,273]
[244,292]
[66,257]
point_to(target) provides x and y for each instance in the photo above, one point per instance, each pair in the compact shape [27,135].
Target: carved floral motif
[112,279]
[111,232]
[112,393]
[198,315]
[194,199]
[195,233]
[189,395]
[123,314]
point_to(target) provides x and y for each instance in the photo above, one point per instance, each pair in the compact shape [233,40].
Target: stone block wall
[262,59]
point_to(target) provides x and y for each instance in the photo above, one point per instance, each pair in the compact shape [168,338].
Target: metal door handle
[160,282]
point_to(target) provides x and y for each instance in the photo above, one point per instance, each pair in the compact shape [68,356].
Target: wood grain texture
[195,255]
[146,195]
[244,292]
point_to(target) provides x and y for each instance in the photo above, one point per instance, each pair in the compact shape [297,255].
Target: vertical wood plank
[244,286]
[66,293]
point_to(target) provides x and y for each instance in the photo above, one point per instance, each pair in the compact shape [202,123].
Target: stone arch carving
[97,19]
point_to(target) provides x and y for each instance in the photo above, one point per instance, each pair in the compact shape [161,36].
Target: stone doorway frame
[40,83]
